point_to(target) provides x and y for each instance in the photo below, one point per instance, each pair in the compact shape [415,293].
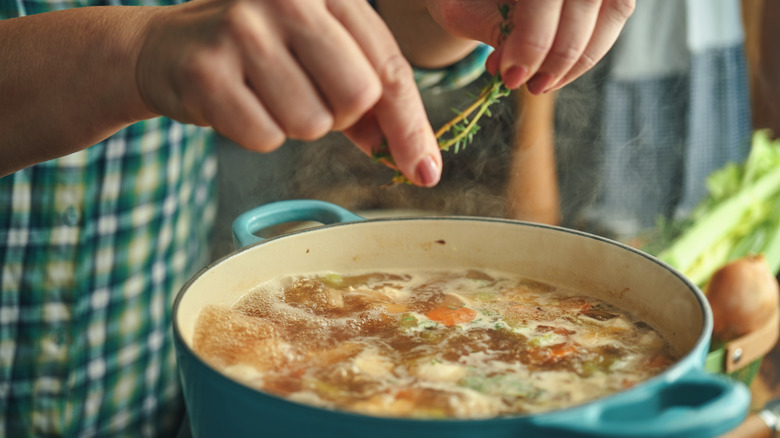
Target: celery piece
[771,248]
[407,320]
[730,222]
[333,280]
[716,225]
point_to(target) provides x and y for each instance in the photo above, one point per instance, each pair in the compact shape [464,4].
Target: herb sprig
[460,130]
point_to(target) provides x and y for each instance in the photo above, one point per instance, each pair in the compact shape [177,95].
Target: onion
[743,294]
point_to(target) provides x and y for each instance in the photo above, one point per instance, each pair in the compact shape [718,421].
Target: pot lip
[694,358]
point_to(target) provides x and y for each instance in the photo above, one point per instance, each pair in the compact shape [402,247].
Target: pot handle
[276,213]
[698,404]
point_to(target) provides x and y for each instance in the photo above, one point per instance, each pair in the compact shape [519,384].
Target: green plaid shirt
[93,248]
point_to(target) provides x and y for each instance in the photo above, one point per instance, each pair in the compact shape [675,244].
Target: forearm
[423,41]
[67,82]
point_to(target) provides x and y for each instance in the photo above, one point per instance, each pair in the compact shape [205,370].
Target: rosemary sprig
[461,129]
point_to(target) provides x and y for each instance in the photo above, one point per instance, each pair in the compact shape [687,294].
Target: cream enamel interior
[602,268]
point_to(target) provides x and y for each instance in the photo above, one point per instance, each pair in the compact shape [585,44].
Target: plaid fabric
[93,248]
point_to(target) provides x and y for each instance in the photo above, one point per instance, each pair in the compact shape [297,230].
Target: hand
[262,71]
[551,42]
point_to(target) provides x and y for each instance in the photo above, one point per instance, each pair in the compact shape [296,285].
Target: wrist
[139,22]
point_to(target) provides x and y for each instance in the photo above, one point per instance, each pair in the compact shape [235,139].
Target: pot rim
[682,366]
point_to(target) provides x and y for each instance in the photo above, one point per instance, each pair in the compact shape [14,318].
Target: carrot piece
[551,354]
[450,316]
[559,351]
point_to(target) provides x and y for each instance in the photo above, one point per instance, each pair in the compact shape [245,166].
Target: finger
[611,20]
[577,21]
[244,120]
[400,112]
[368,137]
[281,85]
[212,91]
[341,71]
[366,133]
[534,25]
[236,113]
[492,63]
[403,120]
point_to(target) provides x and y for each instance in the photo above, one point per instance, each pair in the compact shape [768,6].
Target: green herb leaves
[460,131]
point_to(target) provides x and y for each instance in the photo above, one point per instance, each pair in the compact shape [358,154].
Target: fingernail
[540,83]
[427,172]
[514,76]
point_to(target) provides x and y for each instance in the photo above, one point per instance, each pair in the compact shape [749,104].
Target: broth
[429,344]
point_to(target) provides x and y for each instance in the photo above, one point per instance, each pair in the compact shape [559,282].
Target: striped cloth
[669,105]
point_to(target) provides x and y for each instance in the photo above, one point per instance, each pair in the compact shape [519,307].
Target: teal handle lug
[698,404]
[276,213]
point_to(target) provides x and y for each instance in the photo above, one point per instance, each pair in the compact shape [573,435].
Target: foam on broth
[429,344]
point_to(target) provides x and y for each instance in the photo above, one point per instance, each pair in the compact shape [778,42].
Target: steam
[332,169]
[578,112]
[472,181]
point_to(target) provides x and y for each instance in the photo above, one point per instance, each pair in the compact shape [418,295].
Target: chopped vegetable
[504,384]
[741,216]
[449,315]
[544,339]
[743,295]
[551,354]
[407,320]
[333,280]
[600,363]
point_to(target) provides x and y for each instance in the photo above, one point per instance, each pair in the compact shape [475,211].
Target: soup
[429,344]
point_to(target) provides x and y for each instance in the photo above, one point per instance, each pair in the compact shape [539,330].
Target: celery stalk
[738,217]
[772,245]
[719,222]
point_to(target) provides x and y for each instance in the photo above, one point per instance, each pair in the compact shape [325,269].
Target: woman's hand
[262,71]
[550,43]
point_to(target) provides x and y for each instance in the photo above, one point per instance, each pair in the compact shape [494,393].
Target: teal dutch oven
[683,401]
